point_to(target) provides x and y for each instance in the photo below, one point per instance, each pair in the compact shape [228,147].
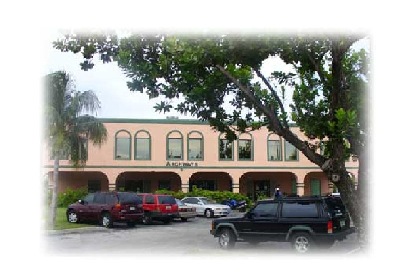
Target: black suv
[303,221]
[107,207]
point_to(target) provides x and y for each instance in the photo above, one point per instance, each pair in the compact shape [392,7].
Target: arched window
[123,145]
[274,151]
[195,148]
[225,148]
[174,145]
[142,145]
[245,147]
[291,152]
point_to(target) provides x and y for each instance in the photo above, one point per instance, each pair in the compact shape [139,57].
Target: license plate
[342,223]
[168,207]
[132,208]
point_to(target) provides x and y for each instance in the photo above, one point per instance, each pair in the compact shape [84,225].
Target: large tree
[327,78]
[68,126]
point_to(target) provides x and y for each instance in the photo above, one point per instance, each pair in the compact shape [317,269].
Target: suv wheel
[302,242]
[209,213]
[226,239]
[106,220]
[72,216]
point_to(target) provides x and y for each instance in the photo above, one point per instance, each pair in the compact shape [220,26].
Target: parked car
[159,207]
[306,222]
[185,211]
[206,207]
[107,208]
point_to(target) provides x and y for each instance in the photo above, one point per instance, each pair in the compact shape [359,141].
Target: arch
[122,145]
[245,147]
[148,181]
[195,146]
[142,147]
[174,150]
[213,181]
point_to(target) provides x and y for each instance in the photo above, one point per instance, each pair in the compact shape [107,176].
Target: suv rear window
[299,209]
[335,205]
[166,200]
[129,198]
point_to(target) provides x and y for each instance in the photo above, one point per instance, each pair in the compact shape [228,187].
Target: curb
[76,230]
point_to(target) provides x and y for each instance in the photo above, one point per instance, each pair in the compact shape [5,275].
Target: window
[301,209]
[266,210]
[63,155]
[195,146]
[174,146]
[274,148]
[166,200]
[149,199]
[225,149]
[291,153]
[88,199]
[245,148]
[142,146]
[94,186]
[111,199]
[99,198]
[123,145]
[164,185]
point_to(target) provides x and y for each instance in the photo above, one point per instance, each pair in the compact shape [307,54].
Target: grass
[62,223]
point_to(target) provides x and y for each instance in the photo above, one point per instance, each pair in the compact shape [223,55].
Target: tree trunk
[53,206]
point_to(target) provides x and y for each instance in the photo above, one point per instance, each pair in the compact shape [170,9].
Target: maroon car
[107,208]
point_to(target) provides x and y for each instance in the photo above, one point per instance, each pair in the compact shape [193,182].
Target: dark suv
[159,207]
[303,221]
[107,207]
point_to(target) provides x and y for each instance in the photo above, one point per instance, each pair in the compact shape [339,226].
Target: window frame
[181,146]
[251,147]
[297,152]
[201,138]
[280,147]
[135,151]
[116,146]
[232,148]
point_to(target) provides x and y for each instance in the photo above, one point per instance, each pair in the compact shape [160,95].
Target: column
[235,187]
[300,188]
[331,187]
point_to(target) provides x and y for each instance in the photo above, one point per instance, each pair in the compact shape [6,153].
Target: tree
[328,80]
[67,128]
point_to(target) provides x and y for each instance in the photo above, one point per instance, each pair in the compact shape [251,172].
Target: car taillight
[330,226]
[117,206]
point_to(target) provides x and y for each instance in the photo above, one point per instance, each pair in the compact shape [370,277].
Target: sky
[27,28]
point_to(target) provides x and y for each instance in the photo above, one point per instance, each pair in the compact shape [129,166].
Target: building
[147,155]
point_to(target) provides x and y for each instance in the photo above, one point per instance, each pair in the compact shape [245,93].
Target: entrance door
[315,187]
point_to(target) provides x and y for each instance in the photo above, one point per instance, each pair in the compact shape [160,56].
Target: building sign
[181,164]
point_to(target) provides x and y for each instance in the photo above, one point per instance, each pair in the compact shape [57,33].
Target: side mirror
[81,201]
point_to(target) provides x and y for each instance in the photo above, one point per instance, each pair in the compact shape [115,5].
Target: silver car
[206,207]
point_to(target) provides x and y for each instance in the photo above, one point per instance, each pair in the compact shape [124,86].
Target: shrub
[178,195]
[71,196]
[217,196]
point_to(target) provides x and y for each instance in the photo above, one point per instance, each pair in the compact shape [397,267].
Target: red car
[107,208]
[159,207]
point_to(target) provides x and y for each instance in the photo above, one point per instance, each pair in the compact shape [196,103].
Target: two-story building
[175,154]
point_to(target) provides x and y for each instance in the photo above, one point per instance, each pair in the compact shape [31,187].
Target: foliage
[71,196]
[217,196]
[62,222]
[178,194]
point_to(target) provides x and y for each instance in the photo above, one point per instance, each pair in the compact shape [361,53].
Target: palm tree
[68,127]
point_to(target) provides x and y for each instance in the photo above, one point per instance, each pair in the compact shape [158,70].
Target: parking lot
[180,238]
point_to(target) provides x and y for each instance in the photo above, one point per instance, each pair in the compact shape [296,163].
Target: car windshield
[207,201]
[179,202]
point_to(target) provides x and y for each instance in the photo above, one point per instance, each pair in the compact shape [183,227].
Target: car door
[196,203]
[95,209]
[84,207]
[261,222]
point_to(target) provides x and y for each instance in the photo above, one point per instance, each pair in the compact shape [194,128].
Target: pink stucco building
[146,155]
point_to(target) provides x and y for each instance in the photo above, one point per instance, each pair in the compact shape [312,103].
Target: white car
[207,207]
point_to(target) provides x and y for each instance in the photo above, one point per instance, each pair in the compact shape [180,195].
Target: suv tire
[227,239]
[208,213]
[302,242]
[72,217]
[106,220]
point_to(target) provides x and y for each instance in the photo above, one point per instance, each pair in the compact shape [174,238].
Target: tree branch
[274,94]
[276,125]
